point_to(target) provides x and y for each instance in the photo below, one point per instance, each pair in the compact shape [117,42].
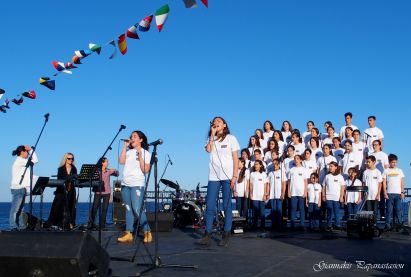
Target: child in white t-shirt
[352,198]
[333,195]
[314,201]
[299,147]
[393,183]
[297,190]
[338,152]
[372,178]
[241,188]
[259,192]
[277,182]
[372,133]
[268,131]
[324,161]
[309,163]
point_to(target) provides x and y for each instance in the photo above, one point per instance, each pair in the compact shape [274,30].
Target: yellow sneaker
[126,237]
[148,237]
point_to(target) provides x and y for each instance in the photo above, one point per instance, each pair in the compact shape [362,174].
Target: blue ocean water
[82,212]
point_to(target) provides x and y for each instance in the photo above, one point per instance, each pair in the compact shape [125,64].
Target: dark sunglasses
[70,159]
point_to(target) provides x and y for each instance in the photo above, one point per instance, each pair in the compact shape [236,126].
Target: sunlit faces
[258,166]
[69,159]
[135,140]
[24,154]
[267,126]
[393,163]
[326,150]
[348,120]
[371,122]
[257,155]
[348,146]
[310,125]
[376,145]
[219,124]
[333,168]
[297,160]
[286,126]
[370,163]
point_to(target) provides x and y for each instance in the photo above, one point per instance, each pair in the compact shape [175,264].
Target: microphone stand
[98,165]
[30,164]
[157,263]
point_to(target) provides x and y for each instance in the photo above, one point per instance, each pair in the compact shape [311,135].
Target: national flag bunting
[122,44]
[161,16]
[30,94]
[145,24]
[45,81]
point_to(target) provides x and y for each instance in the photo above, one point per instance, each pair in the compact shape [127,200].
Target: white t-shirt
[310,165]
[381,160]
[352,196]
[358,150]
[221,159]
[314,193]
[296,177]
[324,165]
[326,140]
[258,181]
[316,154]
[132,174]
[333,184]
[281,147]
[371,179]
[270,168]
[338,154]
[288,164]
[240,188]
[253,163]
[345,140]
[252,149]
[349,160]
[17,170]
[276,180]
[306,138]
[393,177]
[342,130]
[263,144]
[286,136]
[299,148]
[373,134]
[268,136]
[267,157]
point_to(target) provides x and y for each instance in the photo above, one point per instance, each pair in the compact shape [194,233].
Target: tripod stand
[157,263]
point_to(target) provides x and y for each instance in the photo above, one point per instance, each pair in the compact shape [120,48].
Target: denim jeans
[276,212]
[17,205]
[297,201]
[241,205]
[213,190]
[315,214]
[259,212]
[132,199]
[352,208]
[393,204]
[333,209]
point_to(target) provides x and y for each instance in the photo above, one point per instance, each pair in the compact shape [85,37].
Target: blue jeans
[259,212]
[276,212]
[132,199]
[333,209]
[213,190]
[315,215]
[297,201]
[241,205]
[352,208]
[393,204]
[17,205]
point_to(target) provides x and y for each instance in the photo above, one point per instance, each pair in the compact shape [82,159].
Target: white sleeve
[235,146]
[147,157]
[379,176]
[34,158]
[402,174]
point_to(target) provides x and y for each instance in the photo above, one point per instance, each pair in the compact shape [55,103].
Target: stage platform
[289,253]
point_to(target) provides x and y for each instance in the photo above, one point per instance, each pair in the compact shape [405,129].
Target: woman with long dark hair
[136,160]
[223,172]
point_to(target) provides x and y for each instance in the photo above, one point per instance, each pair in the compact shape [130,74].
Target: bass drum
[187,214]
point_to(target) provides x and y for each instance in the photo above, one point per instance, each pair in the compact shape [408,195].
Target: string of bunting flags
[144,25]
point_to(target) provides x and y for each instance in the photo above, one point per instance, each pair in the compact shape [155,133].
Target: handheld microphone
[155,143]
[126,140]
[46,116]
[169,159]
[122,127]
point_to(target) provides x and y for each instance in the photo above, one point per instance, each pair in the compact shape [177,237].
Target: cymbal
[170,184]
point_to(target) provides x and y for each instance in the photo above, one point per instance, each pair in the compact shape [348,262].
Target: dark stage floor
[267,254]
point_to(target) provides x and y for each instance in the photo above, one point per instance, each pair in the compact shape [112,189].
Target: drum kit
[188,206]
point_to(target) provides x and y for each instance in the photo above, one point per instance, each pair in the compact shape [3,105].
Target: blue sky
[246,61]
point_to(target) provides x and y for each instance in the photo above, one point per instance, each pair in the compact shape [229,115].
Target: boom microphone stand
[30,164]
[157,263]
[96,167]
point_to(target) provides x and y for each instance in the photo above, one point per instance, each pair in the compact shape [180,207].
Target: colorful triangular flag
[76,60]
[145,24]
[17,101]
[82,53]
[113,42]
[69,66]
[59,66]
[132,32]
[205,2]
[6,103]
[95,48]
[122,44]
[30,94]
[45,81]
[190,4]
[2,92]
[161,16]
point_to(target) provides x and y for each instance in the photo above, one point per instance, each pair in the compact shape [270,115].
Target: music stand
[38,189]
[89,173]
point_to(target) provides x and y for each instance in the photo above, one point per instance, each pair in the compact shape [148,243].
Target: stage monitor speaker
[119,211]
[165,221]
[44,254]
